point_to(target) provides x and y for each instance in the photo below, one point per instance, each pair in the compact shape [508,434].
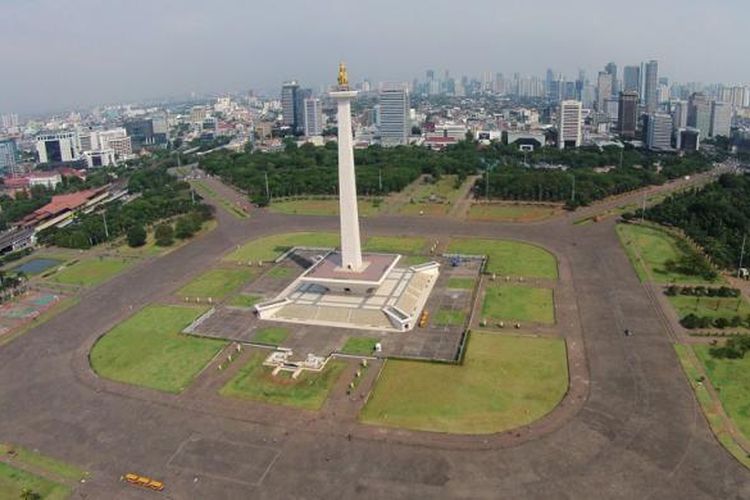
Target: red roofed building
[63,207]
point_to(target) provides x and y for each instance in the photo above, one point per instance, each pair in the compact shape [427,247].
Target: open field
[270,247]
[23,457]
[148,349]
[273,335]
[649,249]
[206,191]
[449,318]
[359,346]
[243,300]
[461,283]
[13,480]
[731,379]
[432,198]
[504,383]
[91,271]
[324,207]
[518,303]
[497,212]
[509,258]
[396,244]
[713,307]
[254,381]
[216,283]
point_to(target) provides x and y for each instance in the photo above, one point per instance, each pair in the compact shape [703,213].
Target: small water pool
[36,266]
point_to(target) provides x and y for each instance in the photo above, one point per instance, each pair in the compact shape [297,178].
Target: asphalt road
[638,434]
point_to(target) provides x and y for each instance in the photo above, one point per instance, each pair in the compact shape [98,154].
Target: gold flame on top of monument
[343,77]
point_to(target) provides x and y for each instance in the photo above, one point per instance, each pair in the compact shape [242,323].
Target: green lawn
[324,207]
[649,249]
[359,346]
[91,271]
[13,480]
[243,300]
[505,382]
[270,247]
[449,318]
[205,191]
[461,283]
[22,456]
[148,349]
[713,307]
[731,378]
[254,381]
[280,272]
[216,283]
[509,257]
[432,198]
[518,303]
[396,244]
[273,335]
[413,260]
[510,213]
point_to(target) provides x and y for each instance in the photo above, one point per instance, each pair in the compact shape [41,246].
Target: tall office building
[631,79]
[394,115]
[650,86]
[603,90]
[57,147]
[627,116]
[721,119]
[569,125]
[736,96]
[699,113]
[679,114]
[10,121]
[611,68]
[289,101]
[313,117]
[7,156]
[659,131]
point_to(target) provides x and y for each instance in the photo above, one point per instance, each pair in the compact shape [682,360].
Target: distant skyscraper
[289,101]
[611,68]
[313,117]
[9,121]
[679,114]
[650,87]
[7,156]
[603,89]
[627,116]
[721,119]
[569,125]
[659,131]
[699,113]
[632,79]
[394,115]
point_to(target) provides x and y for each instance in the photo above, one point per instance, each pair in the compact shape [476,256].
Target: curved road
[639,433]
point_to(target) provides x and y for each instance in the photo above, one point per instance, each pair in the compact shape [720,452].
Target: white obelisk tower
[351,248]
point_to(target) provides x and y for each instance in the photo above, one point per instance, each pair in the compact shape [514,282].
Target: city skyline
[174,49]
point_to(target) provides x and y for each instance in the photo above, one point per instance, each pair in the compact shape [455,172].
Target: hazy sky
[56,54]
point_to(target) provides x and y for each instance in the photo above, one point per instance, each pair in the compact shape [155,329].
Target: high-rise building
[721,119]
[289,101]
[689,139]
[627,116]
[611,68]
[679,114]
[313,117]
[736,96]
[394,115]
[699,113]
[569,125]
[10,121]
[603,89]
[631,79]
[7,156]
[650,87]
[659,131]
[141,133]
[57,147]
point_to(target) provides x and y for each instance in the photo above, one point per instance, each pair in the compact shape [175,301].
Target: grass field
[510,212]
[327,207]
[254,381]
[148,349]
[13,480]
[461,283]
[509,257]
[206,191]
[243,300]
[359,346]
[731,379]
[396,244]
[448,317]
[443,192]
[713,307]
[649,249]
[90,272]
[22,456]
[216,283]
[273,335]
[518,303]
[504,383]
[270,247]
[413,260]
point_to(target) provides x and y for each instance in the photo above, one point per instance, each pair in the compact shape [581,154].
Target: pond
[36,266]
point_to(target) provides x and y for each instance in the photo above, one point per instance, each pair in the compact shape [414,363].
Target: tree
[184,228]
[29,494]
[136,236]
[164,234]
